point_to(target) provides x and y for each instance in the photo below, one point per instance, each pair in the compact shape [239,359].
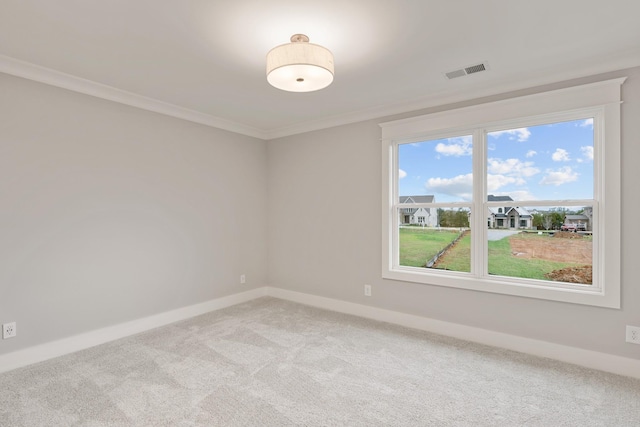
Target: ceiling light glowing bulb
[300,66]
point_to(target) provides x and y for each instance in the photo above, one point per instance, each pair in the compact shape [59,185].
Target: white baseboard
[587,358]
[577,356]
[75,343]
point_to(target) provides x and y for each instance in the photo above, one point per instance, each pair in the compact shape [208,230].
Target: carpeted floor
[270,362]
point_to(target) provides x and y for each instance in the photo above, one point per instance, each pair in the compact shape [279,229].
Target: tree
[557,219]
[461,218]
[442,220]
[538,221]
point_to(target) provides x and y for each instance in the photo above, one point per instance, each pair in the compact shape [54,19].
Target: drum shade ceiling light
[300,66]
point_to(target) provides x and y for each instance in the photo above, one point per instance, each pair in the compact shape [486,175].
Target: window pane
[556,244]
[438,168]
[441,240]
[546,162]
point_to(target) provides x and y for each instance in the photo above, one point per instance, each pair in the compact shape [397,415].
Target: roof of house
[576,217]
[417,199]
[492,198]
[521,211]
[497,211]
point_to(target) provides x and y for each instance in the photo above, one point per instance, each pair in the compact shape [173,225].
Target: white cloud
[521,134]
[587,152]
[401,173]
[560,155]
[512,167]
[462,185]
[531,153]
[510,171]
[559,177]
[587,123]
[460,146]
[495,182]
[459,186]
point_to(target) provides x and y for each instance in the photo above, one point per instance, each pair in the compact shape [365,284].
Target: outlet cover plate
[367,290]
[8,330]
[633,334]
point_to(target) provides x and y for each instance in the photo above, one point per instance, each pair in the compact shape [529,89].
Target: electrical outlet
[243,279]
[367,290]
[9,330]
[633,334]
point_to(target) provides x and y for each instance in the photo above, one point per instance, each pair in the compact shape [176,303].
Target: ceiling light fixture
[300,66]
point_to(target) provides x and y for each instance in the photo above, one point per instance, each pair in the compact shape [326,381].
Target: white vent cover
[472,69]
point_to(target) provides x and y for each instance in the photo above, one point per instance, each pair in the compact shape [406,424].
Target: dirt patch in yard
[562,247]
[582,275]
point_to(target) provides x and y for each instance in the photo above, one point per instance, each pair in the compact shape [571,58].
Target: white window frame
[602,101]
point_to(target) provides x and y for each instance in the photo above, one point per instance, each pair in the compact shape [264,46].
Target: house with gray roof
[508,217]
[426,217]
[582,221]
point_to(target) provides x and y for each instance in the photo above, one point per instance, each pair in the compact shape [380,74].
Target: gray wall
[110,213]
[325,237]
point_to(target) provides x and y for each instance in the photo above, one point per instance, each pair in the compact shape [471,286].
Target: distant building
[508,217]
[427,217]
[582,221]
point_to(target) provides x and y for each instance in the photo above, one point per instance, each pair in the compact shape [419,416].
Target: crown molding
[19,68]
[27,70]
[616,62]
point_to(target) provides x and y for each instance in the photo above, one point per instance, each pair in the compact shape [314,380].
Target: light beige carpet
[275,363]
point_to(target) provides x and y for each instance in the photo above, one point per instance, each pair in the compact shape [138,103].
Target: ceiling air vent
[472,69]
[475,69]
[457,73]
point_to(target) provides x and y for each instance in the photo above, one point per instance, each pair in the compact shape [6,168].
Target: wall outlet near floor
[633,334]
[9,330]
[243,279]
[367,290]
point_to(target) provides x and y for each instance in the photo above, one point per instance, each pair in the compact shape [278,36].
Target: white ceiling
[204,60]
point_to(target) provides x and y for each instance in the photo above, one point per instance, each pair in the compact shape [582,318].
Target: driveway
[500,234]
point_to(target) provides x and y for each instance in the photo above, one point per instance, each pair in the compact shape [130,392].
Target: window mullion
[393,234]
[478,227]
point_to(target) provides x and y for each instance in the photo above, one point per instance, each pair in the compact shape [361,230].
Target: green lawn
[417,245]
[458,258]
[503,263]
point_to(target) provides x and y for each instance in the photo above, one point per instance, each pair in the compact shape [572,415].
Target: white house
[508,216]
[427,217]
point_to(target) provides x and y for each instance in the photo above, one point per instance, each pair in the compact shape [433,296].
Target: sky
[546,162]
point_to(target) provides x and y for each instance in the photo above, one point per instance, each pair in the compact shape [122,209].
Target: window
[499,180]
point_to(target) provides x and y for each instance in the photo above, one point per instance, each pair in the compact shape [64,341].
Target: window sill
[577,294]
